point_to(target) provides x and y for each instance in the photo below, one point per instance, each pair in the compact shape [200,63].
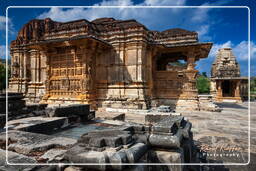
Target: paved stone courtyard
[225,131]
[228,128]
[221,137]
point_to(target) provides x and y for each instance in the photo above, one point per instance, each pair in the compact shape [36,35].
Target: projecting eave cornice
[230,78]
[201,49]
[71,39]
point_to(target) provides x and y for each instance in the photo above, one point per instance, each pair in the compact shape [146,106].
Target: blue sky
[225,27]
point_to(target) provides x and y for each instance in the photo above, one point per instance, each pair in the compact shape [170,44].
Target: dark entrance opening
[226,89]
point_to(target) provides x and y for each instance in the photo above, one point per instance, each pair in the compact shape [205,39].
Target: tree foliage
[203,84]
[3,76]
[253,84]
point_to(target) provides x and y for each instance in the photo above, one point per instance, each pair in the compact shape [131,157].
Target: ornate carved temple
[226,82]
[107,63]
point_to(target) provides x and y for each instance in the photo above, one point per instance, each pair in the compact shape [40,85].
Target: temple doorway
[227,89]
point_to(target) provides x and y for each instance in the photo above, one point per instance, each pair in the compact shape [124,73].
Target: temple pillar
[46,76]
[88,93]
[219,91]
[35,86]
[33,65]
[237,91]
[21,62]
[25,64]
[188,99]
[25,69]
[189,87]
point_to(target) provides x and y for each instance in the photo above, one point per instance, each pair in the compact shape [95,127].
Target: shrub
[203,84]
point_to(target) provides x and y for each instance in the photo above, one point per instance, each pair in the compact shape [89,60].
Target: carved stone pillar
[21,62]
[237,89]
[189,90]
[220,89]
[46,58]
[88,93]
[188,99]
[33,56]
[25,64]
[38,67]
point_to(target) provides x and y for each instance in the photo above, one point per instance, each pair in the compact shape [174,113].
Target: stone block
[81,110]
[169,124]
[136,152]
[73,168]
[2,120]
[88,157]
[39,124]
[165,109]
[164,141]
[27,143]
[15,158]
[170,157]
[113,141]
[97,142]
[154,118]
[53,155]
[117,159]
[109,138]
[126,138]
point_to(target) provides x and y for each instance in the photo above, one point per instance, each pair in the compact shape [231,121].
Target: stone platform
[34,145]
[44,125]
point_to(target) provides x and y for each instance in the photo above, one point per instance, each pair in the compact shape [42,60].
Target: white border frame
[84,164]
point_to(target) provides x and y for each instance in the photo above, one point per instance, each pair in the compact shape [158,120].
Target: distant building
[226,82]
[107,63]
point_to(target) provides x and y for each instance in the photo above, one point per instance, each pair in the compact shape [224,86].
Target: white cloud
[193,19]
[60,14]
[203,32]
[2,22]
[200,15]
[3,25]
[216,47]
[163,2]
[240,50]
[2,51]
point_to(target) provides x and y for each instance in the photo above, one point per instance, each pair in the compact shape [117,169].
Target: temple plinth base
[187,105]
[229,99]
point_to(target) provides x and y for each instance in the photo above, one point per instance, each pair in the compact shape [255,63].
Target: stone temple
[106,63]
[226,82]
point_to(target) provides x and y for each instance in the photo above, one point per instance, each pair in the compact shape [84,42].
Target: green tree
[203,84]
[204,74]
[253,84]
[2,77]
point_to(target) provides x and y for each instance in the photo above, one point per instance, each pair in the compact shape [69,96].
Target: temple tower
[226,81]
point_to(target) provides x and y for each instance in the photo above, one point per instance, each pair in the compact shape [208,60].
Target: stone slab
[38,124]
[15,158]
[153,118]
[111,115]
[82,110]
[170,157]
[53,155]
[2,120]
[27,143]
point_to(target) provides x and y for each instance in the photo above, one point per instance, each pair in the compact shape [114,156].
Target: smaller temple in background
[226,83]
